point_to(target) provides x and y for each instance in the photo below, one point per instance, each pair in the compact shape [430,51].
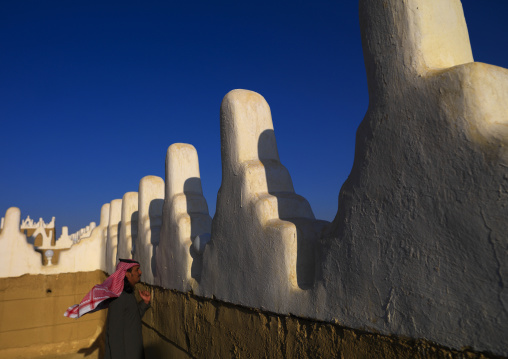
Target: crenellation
[416,258]
[89,253]
[268,249]
[418,246]
[64,241]
[18,256]
[83,233]
[129,225]
[150,204]
[65,255]
[185,222]
[115,216]
[29,223]
[46,238]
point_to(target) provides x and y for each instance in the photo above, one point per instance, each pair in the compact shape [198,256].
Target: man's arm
[144,304]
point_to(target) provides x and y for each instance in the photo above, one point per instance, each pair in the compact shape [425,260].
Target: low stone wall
[32,324]
[182,325]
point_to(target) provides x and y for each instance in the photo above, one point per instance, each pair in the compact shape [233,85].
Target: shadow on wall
[197,209]
[134,231]
[155,215]
[120,224]
[291,208]
[98,344]
[162,347]
[29,239]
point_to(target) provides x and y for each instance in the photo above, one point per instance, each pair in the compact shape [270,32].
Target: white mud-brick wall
[115,216]
[261,253]
[186,222]
[151,202]
[418,247]
[128,226]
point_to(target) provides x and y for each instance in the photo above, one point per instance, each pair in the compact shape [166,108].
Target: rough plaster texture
[263,234]
[32,324]
[129,225]
[151,202]
[89,254]
[419,244]
[181,325]
[18,256]
[185,217]
[115,216]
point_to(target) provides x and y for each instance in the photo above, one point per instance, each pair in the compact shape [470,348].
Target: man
[123,324]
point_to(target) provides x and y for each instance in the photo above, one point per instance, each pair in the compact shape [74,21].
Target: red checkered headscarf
[97,298]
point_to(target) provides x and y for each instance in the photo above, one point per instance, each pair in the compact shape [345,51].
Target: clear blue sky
[92,93]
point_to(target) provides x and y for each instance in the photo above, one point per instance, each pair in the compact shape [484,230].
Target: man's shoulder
[122,299]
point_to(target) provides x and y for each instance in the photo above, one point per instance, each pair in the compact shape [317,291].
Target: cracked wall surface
[182,325]
[420,239]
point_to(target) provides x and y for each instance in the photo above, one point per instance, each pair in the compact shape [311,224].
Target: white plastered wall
[262,249]
[151,202]
[418,247]
[18,257]
[129,225]
[185,222]
[115,216]
[89,254]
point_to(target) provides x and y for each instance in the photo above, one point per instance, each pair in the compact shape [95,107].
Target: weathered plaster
[262,248]
[18,256]
[129,225]
[182,325]
[418,247]
[151,201]
[185,217]
[115,216]
[89,254]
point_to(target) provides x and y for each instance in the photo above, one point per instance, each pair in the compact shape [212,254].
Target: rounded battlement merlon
[262,245]
[245,116]
[420,236]
[115,216]
[406,39]
[186,217]
[12,218]
[129,225]
[150,204]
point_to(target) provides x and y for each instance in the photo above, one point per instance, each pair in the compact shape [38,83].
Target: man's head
[133,274]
